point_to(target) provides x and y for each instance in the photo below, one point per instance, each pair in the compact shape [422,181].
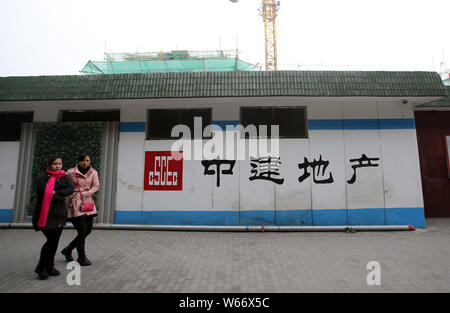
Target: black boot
[67,252]
[82,259]
[52,271]
[42,272]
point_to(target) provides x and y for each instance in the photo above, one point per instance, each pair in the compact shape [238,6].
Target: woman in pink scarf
[52,186]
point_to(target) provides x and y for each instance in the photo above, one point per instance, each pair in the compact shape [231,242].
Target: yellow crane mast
[269,9]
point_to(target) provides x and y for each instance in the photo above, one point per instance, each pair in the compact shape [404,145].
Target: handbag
[85,207]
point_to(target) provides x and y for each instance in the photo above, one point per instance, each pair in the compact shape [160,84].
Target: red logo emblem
[163,171]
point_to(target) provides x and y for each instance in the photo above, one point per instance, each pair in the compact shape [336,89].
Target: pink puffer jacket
[89,185]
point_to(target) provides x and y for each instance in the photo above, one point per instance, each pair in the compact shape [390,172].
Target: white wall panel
[130,171]
[395,109]
[330,145]
[293,195]
[9,154]
[367,190]
[256,194]
[401,171]
[324,109]
[226,197]
[362,109]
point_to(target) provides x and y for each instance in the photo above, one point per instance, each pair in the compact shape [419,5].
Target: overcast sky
[58,37]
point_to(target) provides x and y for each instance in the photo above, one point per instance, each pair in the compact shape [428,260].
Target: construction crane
[268,11]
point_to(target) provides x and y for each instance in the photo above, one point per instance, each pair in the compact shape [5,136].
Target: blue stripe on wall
[329,217]
[222,218]
[191,218]
[6,215]
[257,217]
[293,217]
[325,124]
[223,124]
[316,124]
[128,217]
[362,124]
[371,216]
[404,216]
[397,123]
[132,127]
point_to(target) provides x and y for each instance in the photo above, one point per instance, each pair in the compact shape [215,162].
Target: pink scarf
[48,195]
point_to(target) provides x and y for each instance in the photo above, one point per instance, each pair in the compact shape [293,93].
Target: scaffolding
[169,62]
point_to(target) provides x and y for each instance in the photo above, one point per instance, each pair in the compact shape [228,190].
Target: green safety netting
[166,66]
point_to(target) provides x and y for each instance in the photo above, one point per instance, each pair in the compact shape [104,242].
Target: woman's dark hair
[51,159]
[82,156]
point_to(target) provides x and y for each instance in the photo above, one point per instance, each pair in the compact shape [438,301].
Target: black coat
[57,213]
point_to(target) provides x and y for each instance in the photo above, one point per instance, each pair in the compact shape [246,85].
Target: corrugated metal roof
[223,84]
[443,102]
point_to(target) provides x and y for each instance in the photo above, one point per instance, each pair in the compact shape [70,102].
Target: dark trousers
[49,248]
[83,225]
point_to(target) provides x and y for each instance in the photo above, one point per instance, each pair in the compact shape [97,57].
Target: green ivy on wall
[68,140]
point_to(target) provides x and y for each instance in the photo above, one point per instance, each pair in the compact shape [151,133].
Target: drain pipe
[261,228]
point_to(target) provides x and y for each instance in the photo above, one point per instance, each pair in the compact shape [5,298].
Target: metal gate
[431,127]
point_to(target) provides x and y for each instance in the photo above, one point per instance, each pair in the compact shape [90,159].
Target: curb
[261,228]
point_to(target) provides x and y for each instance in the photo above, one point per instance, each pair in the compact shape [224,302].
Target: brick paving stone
[168,261]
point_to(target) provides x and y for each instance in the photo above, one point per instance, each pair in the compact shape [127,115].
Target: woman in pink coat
[85,182]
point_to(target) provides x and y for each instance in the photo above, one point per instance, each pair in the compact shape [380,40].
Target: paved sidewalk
[168,261]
